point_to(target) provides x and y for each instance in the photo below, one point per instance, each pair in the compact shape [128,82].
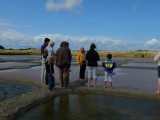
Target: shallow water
[10,90]
[143,61]
[131,79]
[9,65]
[19,57]
[94,107]
[140,65]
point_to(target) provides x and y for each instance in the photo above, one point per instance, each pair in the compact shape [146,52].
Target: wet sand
[33,74]
[128,82]
[132,79]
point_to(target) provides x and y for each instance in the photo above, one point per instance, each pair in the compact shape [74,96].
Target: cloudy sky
[111,24]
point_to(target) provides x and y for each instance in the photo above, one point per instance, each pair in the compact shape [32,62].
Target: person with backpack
[92,57]
[109,66]
[43,58]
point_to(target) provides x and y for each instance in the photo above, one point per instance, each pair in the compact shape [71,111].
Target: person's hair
[51,43]
[93,46]
[64,44]
[50,59]
[46,40]
[109,56]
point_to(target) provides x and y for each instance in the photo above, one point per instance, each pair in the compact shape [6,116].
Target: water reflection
[140,65]
[9,65]
[19,57]
[48,111]
[94,107]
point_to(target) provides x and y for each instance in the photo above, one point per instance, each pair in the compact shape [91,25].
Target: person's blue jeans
[51,82]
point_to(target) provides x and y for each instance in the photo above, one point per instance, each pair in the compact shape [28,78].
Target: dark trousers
[64,76]
[82,71]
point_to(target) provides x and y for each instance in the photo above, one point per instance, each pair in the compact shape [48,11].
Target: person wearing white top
[49,49]
[157,58]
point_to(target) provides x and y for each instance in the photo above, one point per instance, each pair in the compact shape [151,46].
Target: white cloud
[102,42]
[58,5]
[153,44]
[16,40]
[12,35]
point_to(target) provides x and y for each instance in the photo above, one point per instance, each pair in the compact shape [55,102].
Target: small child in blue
[109,65]
[50,72]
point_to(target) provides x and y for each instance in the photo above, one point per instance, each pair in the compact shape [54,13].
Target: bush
[1,47]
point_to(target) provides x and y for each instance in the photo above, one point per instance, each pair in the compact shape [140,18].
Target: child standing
[109,65]
[50,72]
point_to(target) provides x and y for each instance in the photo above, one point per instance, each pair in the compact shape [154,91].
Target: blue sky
[111,24]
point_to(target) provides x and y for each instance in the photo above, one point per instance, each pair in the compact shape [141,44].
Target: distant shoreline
[102,53]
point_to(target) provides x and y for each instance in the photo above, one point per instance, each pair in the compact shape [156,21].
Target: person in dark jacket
[43,58]
[92,57]
[108,65]
[63,61]
[50,72]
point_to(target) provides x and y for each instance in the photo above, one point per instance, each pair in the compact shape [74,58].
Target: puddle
[10,90]
[19,57]
[140,65]
[5,65]
[142,61]
[94,107]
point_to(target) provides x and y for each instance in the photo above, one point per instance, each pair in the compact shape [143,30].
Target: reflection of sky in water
[10,90]
[118,72]
[14,65]
[94,107]
[142,61]
[10,64]
[140,65]
[19,57]
[132,79]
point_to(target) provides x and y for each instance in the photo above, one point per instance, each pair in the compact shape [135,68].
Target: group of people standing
[62,59]
[90,59]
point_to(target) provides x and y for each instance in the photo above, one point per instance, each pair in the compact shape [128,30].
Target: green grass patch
[122,54]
